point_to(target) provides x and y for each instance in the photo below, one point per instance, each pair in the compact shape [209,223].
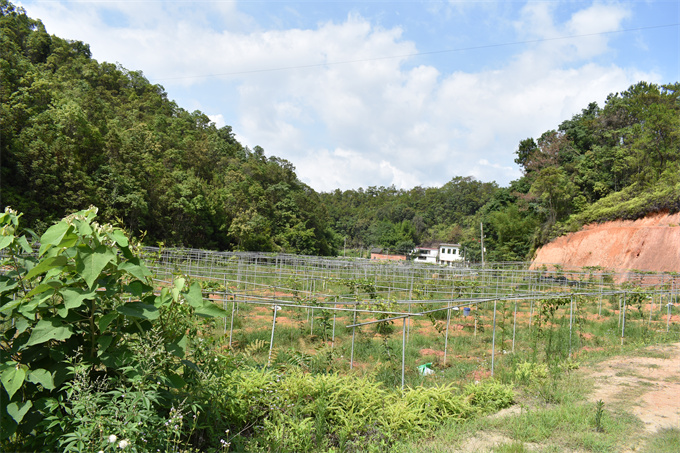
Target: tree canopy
[76,132]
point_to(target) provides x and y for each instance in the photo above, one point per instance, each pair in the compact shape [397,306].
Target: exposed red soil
[427,352]
[650,244]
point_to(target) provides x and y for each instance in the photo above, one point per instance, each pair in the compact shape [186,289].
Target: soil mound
[649,244]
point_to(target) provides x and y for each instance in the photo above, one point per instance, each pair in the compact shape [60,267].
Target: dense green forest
[76,132]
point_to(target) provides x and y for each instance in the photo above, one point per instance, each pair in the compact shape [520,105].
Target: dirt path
[647,385]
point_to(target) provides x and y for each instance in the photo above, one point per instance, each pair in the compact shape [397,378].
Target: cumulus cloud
[344,114]
[218,120]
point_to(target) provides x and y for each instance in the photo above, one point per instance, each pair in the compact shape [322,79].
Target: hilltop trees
[618,161]
[76,133]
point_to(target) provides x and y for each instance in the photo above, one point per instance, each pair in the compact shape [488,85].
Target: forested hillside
[76,132]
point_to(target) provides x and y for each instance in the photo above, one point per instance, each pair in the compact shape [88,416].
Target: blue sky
[380,93]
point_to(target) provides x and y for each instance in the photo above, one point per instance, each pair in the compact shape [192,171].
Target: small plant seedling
[599,413]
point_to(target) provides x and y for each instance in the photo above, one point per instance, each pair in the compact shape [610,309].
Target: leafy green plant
[530,373]
[84,290]
[599,414]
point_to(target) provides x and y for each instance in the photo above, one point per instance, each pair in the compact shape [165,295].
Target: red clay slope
[650,244]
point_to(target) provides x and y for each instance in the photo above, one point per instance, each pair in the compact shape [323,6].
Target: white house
[449,254]
[425,255]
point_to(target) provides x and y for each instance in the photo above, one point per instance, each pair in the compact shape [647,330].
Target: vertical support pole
[271,342]
[351,356]
[225,302]
[333,335]
[481,234]
[231,327]
[571,320]
[599,310]
[446,337]
[668,321]
[410,298]
[493,339]
[514,326]
[311,329]
[623,327]
[403,353]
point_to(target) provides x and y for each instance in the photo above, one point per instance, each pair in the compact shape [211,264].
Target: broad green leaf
[53,236]
[163,299]
[11,305]
[137,270]
[22,324]
[24,244]
[210,310]
[137,288]
[105,320]
[119,237]
[190,364]
[43,287]
[178,348]
[7,284]
[194,295]
[90,263]
[84,228]
[104,342]
[138,310]
[49,329]
[47,264]
[12,378]
[18,410]
[29,306]
[179,286]
[74,297]
[176,381]
[42,377]
[69,240]
[5,241]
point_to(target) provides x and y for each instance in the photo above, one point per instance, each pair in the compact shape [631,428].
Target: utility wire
[417,54]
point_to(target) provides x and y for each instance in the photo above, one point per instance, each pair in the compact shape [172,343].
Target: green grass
[664,441]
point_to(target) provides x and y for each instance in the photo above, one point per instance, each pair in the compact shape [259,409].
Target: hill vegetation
[77,132]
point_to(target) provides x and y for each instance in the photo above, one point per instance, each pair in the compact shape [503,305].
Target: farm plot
[407,324]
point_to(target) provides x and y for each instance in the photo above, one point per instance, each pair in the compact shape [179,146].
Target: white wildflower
[123,443]
[112,438]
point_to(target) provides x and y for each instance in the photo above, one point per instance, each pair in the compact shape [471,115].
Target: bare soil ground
[650,244]
[646,385]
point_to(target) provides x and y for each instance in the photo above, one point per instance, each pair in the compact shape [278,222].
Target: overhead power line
[417,54]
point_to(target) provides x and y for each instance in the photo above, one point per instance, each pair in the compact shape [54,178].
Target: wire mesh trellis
[419,291]
[289,280]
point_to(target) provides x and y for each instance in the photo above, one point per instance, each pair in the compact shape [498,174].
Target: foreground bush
[304,412]
[89,353]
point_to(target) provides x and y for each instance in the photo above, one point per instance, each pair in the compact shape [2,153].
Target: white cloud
[377,121]
[218,120]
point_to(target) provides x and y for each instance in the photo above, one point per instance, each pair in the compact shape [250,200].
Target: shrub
[85,293]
